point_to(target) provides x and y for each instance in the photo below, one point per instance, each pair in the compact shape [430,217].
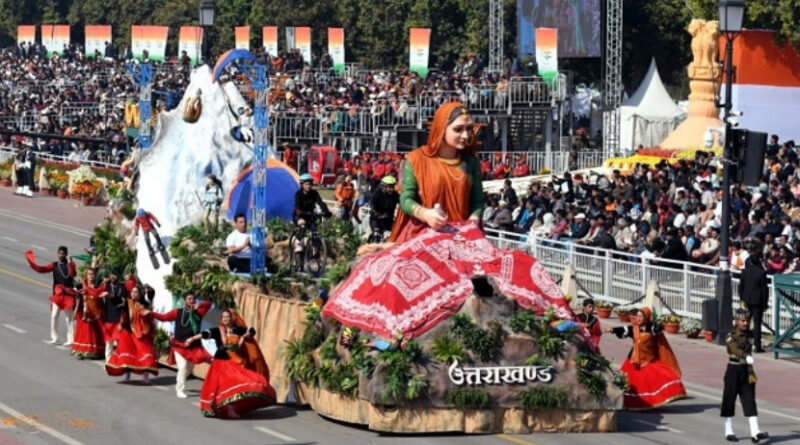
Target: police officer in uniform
[740,379]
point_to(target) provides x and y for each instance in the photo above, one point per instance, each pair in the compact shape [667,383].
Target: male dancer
[63,297]
[185,343]
[740,379]
[115,299]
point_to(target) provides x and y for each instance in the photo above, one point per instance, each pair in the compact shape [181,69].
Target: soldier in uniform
[740,379]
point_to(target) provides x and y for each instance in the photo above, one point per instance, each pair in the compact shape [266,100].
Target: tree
[779,15]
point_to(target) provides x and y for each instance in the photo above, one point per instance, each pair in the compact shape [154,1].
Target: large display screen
[578,23]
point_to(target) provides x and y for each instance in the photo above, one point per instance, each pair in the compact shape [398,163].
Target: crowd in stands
[69,94]
[667,211]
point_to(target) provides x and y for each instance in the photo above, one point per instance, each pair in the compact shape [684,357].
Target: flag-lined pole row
[153,39]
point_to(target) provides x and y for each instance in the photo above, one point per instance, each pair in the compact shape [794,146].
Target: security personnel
[740,379]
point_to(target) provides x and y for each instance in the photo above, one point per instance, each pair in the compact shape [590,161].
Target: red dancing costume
[232,379]
[63,297]
[187,325]
[653,373]
[89,339]
[135,351]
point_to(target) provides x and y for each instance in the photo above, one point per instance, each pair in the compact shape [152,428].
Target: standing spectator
[754,293]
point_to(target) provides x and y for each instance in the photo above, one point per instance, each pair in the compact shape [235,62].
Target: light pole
[731,16]
[207,9]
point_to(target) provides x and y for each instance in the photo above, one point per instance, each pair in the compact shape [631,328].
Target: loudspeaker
[710,313]
[751,147]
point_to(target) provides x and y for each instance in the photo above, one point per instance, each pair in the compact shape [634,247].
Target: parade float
[501,355]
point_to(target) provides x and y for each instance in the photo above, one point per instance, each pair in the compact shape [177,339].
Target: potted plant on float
[691,327]
[85,191]
[672,323]
[623,314]
[603,309]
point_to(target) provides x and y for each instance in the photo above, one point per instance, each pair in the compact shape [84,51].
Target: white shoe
[181,394]
[69,343]
[53,341]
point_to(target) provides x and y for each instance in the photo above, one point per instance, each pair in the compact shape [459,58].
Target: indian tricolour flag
[302,39]
[96,38]
[766,88]
[54,38]
[27,34]
[419,49]
[190,39]
[270,39]
[336,48]
[242,37]
[547,53]
[150,38]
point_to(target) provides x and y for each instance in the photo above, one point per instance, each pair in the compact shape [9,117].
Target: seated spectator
[708,252]
[238,246]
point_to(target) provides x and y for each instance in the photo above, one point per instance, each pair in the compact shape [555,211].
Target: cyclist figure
[383,203]
[305,202]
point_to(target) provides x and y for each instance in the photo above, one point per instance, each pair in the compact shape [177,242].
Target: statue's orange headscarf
[441,120]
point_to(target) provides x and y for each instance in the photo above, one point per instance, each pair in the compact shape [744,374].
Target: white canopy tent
[649,115]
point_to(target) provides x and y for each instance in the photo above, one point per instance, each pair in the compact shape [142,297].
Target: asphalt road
[49,397]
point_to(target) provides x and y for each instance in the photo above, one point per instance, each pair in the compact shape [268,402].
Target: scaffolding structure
[259,79]
[142,74]
[496,32]
[613,77]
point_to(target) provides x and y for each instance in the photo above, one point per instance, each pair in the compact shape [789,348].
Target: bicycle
[377,233]
[312,257]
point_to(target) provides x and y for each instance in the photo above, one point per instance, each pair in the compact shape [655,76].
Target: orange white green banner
[27,34]
[302,41]
[152,39]
[336,48]
[547,53]
[55,38]
[242,37]
[96,37]
[270,39]
[190,39]
[419,49]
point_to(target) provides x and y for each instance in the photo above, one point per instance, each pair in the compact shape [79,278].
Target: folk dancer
[89,342]
[238,379]
[185,348]
[654,375]
[116,304]
[62,299]
[740,380]
[135,351]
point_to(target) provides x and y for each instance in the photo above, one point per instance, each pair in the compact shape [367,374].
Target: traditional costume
[135,351]
[238,376]
[187,324]
[654,376]
[116,305]
[740,380]
[591,323]
[89,340]
[63,296]
[427,180]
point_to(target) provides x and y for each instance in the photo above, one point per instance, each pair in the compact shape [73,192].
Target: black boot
[731,438]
